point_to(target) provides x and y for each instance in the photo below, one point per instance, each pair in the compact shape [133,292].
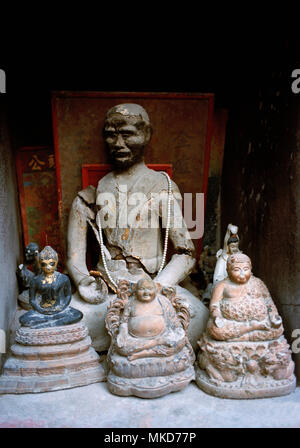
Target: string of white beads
[168,223]
[98,221]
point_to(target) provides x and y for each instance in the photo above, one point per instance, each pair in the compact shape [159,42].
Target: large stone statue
[243,351]
[150,354]
[52,349]
[132,204]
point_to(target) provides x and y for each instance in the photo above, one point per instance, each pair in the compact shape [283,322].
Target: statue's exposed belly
[146,326]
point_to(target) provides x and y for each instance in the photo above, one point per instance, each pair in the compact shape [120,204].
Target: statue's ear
[148,133]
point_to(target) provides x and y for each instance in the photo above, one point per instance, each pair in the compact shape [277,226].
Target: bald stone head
[129,110]
[126,132]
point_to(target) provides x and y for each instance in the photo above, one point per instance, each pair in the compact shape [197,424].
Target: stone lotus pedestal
[245,369]
[150,377]
[49,359]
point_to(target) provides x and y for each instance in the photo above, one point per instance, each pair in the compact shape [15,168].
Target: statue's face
[31,252]
[48,266]
[146,291]
[126,137]
[240,272]
[233,248]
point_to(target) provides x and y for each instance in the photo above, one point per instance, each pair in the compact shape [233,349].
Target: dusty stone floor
[94,407]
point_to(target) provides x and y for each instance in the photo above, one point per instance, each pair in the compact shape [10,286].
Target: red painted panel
[38,196]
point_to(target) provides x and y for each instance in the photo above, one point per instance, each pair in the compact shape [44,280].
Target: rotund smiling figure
[150,354]
[243,353]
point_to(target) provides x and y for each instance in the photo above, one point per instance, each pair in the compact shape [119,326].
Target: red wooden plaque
[38,196]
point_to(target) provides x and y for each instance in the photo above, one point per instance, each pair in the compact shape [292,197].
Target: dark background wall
[261,181]
[9,228]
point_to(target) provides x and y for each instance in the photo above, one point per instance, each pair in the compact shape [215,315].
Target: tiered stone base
[49,359]
[266,389]
[150,387]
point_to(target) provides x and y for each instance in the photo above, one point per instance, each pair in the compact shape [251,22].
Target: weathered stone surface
[245,369]
[150,387]
[133,236]
[47,359]
[243,353]
[150,354]
[198,315]
[50,336]
[94,318]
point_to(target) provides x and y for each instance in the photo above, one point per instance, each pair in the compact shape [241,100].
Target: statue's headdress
[48,253]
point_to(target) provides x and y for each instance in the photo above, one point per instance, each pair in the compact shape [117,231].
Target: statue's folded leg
[34,319]
[159,350]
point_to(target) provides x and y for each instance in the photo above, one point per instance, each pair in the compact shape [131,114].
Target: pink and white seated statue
[243,353]
[150,354]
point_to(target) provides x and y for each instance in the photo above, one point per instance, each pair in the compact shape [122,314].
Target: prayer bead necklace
[103,257]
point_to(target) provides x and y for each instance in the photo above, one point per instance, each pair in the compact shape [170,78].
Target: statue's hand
[260,325]
[276,321]
[92,290]
[21,270]
[219,322]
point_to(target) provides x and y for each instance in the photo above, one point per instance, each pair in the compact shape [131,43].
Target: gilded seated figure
[52,349]
[49,295]
[243,353]
[150,354]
